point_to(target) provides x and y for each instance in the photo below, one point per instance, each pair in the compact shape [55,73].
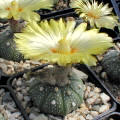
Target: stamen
[73,50]
[90,14]
[54,50]
[20,9]
[8,8]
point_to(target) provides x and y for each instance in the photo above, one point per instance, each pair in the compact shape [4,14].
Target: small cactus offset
[55,99]
[7,46]
[111,64]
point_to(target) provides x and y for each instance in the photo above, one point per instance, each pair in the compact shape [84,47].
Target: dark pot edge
[114,114]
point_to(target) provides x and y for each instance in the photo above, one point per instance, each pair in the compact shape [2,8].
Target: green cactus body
[7,46]
[57,100]
[111,64]
[2,117]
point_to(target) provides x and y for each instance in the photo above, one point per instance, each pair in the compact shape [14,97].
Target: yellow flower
[23,9]
[60,42]
[98,15]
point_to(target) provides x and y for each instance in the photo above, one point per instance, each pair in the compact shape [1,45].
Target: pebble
[89,117]
[98,69]
[104,75]
[41,117]
[103,108]
[20,96]
[105,98]
[94,113]
[19,83]
[81,117]
[96,107]
[32,116]
[10,67]
[90,101]
[26,98]
[51,117]
[97,90]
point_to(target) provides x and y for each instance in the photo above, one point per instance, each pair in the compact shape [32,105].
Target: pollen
[54,50]
[73,50]
[20,9]
[8,8]
[90,14]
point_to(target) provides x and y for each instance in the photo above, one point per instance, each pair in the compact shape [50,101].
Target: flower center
[63,48]
[20,9]
[8,8]
[91,14]
[14,6]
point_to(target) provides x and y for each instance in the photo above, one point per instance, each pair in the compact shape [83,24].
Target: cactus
[57,99]
[111,64]
[7,46]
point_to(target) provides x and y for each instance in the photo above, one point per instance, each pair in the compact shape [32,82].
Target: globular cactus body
[7,46]
[111,64]
[58,100]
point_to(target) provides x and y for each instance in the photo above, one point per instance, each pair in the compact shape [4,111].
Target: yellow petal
[73,45]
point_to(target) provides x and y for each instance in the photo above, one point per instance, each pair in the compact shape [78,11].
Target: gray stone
[41,117]
[19,83]
[32,116]
[51,117]
[20,96]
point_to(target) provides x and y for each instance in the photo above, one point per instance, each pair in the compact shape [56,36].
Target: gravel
[8,107]
[96,102]
[10,67]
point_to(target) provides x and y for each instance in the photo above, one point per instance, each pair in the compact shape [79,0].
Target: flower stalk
[16,25]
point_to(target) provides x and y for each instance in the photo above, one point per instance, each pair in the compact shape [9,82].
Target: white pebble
[98,101]
[91,94]
[81,117]
[94,113]
[88,88]
[103,108]
[97,90]
[105,98]
[89,117]
[90,101]
[19,83]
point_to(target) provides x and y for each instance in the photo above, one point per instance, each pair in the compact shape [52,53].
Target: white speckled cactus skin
[55,99]
[7,46]
[111,64]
